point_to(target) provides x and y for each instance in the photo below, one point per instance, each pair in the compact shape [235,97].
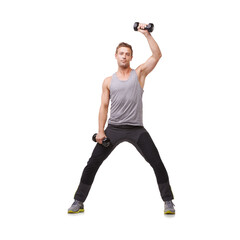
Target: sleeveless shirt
[126,101]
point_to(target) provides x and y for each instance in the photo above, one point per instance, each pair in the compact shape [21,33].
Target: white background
[54,56]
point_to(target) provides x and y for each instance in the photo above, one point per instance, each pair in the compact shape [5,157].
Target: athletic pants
[140,138]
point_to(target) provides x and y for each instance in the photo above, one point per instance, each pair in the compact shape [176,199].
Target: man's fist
[100,136]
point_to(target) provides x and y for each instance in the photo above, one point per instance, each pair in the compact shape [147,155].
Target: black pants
[141,139]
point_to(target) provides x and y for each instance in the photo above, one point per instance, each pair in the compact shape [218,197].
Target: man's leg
[147,148]
[100,153]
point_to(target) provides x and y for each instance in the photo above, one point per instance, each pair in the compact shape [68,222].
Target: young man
[125,89]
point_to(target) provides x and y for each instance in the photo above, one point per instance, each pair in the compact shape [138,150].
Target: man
[125,89]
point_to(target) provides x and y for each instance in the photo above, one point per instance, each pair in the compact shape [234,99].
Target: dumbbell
[105,142]
[149,27]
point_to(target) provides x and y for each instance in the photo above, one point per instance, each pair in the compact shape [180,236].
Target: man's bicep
[148,66]
[105,94]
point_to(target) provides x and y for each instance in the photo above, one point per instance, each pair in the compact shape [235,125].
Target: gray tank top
[126,101]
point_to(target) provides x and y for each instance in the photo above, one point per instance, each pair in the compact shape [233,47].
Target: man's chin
[124,65]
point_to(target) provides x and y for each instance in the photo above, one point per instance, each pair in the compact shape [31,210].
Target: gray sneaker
[76,207]
[169,207]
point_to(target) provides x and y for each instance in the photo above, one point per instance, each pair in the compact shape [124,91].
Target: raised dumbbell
[105,142]
[149,27]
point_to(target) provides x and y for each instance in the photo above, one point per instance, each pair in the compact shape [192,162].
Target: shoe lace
[76,202]
[169,203]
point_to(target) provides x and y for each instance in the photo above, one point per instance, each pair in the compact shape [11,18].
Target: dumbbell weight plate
[135,26]
[150,27]
[94,137]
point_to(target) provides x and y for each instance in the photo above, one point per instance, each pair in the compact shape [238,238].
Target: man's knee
[151,155]
[90,171]
[148,148]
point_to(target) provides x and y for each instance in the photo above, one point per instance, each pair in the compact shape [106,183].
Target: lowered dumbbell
[149,27]
[105,142]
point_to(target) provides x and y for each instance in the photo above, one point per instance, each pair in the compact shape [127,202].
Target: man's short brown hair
[123,44]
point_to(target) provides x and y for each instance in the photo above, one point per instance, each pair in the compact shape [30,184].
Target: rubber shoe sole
[169,212]
[80,210]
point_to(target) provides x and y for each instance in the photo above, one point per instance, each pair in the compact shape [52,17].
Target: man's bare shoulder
[107,82]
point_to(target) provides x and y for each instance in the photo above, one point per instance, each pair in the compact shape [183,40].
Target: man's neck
[124,72]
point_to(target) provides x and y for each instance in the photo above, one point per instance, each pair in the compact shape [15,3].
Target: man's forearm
[153,46]
[102,118]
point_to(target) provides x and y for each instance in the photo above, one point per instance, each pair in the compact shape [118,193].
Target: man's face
[123,57]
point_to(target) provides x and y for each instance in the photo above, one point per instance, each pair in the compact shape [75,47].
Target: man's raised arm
[150,64]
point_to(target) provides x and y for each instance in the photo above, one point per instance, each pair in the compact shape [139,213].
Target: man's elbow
[157,56]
